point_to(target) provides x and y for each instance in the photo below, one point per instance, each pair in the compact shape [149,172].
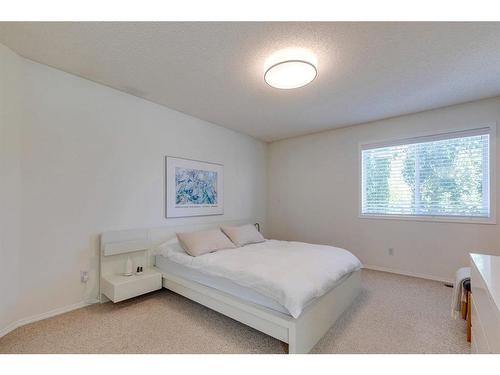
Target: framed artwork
[193,188]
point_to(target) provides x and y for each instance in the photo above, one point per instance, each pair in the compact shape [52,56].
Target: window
[442,175]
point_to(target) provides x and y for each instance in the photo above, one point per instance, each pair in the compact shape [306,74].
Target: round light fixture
[290,74]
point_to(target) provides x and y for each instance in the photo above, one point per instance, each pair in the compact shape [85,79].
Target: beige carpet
[394,314]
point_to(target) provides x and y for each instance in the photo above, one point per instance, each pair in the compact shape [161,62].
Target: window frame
[411,138]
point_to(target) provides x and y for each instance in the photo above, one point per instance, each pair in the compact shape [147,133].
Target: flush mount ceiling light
[290,74]
[290,68]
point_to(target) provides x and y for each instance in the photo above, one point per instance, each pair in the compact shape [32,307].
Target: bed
[297,309]
[289,290]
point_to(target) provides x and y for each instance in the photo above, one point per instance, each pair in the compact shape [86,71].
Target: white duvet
[291,273]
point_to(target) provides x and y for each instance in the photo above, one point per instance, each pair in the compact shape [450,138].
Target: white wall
[92,160]
[313,196]
[10,122]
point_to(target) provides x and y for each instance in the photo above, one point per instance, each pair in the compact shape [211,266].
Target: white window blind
[441,175]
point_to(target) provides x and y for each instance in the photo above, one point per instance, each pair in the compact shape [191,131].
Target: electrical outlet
[84,276]
[390,251]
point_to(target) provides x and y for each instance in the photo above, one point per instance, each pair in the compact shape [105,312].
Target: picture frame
[193,188]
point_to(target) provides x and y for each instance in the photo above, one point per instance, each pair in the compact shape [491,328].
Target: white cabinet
[485,284]
[116,248]
[118,288]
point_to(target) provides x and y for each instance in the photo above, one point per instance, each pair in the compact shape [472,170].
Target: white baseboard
[8,329]
[81,304]
[48,314]
[405,273]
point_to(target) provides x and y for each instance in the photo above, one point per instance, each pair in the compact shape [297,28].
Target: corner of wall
[10,129]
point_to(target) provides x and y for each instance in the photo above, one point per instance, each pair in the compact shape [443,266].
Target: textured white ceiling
[214,71]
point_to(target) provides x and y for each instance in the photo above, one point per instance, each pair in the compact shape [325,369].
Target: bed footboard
[317,319]
[301,334]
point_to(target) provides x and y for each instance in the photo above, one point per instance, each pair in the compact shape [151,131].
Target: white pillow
[169,246]
[202,242]
[243,235]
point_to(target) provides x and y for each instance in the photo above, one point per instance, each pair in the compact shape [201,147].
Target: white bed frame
[300,334]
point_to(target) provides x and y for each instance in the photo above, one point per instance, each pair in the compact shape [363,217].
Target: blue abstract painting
[194,186]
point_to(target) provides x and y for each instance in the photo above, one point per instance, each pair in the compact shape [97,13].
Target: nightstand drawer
[118,288]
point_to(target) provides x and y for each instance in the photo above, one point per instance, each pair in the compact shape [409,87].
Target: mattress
[280,275]
[224,285]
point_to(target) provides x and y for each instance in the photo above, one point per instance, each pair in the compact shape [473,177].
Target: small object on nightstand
[128,267]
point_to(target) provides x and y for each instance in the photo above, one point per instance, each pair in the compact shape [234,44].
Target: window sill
[438,219]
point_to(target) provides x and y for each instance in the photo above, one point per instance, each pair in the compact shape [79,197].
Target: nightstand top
[117,279]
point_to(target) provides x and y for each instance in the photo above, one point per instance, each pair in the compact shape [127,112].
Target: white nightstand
[118,288]
[116,248]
